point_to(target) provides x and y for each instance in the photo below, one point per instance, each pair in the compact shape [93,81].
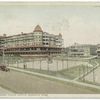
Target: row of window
[45,43]
[25,44]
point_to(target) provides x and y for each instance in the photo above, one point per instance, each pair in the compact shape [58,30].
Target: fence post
[33,63]
[57,65]
[24,66]
[67,63]
[17,63]
[40,63]
[87,68]
[83,73]
[48,65]
[93,76]
[8,62]
[62,64]
[79,72]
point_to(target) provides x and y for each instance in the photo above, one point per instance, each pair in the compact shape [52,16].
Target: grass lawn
[97,74]
[74,72]
[67,73]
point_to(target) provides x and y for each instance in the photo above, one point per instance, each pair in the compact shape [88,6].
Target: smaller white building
[82,50]
[98,50]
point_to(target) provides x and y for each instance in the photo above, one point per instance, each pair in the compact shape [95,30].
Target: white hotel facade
[37,40]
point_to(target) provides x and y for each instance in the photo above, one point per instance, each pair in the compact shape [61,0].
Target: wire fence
[53,64]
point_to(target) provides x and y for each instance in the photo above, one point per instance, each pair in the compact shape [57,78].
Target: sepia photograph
[50,49]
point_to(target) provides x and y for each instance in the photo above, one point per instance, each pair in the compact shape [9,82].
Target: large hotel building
[36,42]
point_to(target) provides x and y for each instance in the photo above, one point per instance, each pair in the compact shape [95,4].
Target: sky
[78,23]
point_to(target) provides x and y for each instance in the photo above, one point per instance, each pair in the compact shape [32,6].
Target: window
[46,43]
[43,43]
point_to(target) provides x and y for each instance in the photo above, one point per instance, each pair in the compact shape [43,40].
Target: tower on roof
[60,34]
[38,29]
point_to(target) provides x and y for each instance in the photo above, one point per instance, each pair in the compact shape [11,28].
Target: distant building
[34,42]
[98,50]
[82,50]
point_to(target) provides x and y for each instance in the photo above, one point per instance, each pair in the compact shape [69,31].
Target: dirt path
[23,83]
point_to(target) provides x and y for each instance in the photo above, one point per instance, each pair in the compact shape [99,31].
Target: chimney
[21,32]
[4,35]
